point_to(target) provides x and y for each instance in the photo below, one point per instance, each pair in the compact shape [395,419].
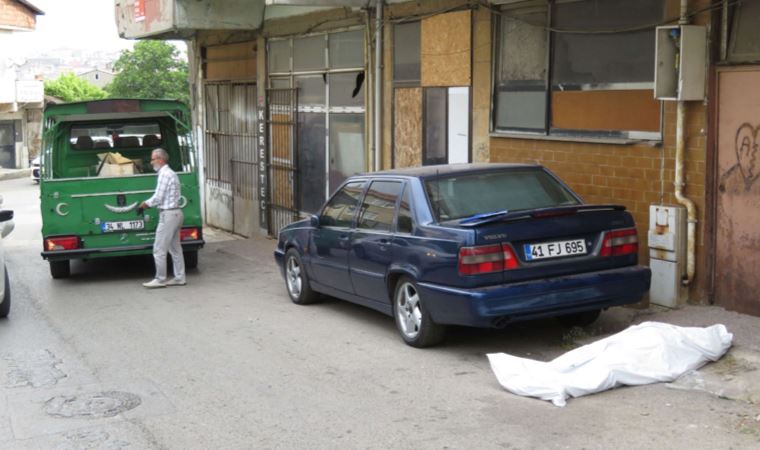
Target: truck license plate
[555,249]
[126,225]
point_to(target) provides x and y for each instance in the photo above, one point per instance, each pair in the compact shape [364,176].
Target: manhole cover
[96,405]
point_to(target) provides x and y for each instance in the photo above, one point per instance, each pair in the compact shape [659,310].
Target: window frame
[396,203]
[560,134]
[360,200]
[406,188]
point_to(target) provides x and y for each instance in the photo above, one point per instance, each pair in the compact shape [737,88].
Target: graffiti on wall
[741,177]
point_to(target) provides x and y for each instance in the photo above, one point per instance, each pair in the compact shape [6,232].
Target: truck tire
[191,259]
[60,269]
[5,306]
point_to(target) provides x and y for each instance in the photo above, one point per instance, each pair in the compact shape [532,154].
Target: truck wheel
[191,259]
[60,269]
[5,306]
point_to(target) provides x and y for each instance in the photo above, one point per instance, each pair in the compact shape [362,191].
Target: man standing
[166,199]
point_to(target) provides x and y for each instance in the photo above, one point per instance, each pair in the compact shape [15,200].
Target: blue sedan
[478,245]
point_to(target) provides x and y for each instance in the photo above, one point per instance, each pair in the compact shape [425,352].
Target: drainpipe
[378,82]
[691,209]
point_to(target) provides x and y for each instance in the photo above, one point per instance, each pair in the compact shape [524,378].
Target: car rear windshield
[465,195]
[115,136]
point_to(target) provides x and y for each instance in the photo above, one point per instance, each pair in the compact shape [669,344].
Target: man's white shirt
[167,190]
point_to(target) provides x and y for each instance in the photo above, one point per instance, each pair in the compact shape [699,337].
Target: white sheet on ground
[650,352]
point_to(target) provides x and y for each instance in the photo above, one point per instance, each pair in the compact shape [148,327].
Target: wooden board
[445,44]
[623,110]
[231,62]
[407,127]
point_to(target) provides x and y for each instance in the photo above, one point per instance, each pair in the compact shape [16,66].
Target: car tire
[297,281]
[5,306]
[413,320]
[60,269]
[191,259]
[581,319]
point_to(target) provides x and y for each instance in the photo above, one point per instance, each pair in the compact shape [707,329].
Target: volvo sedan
[479,245]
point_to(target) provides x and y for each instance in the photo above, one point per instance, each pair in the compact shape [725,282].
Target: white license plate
[126,225]
[555,249]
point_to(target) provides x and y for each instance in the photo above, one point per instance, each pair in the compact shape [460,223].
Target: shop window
[311,160]
[346,49]
[406,54]
[347,89]
[745,33]
[311,90]
[279,56]
[346,147]
[434,145]
[601,63]
[309,53]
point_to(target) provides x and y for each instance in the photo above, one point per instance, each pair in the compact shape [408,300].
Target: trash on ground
[647,353]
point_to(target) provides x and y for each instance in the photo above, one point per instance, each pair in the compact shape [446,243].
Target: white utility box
[680,65]
[667,255]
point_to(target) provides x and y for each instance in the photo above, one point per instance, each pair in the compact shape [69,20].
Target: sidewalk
[9,174]
[734,376]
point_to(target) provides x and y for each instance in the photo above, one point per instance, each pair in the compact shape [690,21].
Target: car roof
[447,170]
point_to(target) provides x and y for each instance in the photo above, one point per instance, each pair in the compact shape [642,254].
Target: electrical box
[680,62]
[667,255]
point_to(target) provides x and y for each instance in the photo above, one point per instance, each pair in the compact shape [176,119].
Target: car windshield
[459,196]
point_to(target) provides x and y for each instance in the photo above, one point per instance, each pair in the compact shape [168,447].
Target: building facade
[594,90]
[21,99]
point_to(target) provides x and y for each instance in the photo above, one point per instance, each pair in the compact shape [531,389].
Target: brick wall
[14,14]
[627,174]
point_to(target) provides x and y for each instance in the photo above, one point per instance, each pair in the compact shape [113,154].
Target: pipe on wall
[680,182]
[378,132]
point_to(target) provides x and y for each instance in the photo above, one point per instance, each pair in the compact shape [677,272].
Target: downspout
[691,209]
[378,83]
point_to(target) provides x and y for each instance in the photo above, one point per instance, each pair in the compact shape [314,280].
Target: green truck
[95,172]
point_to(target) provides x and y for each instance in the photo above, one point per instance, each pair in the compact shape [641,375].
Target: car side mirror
[314,221]
[6,215]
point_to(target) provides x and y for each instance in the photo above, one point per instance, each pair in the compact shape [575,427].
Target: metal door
[230,156]
[282,117]
[737,250]
[7,145]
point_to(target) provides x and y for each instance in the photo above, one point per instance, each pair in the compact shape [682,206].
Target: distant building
[97,77]
[21,98]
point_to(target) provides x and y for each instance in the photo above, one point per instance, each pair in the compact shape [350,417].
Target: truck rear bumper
[82,253]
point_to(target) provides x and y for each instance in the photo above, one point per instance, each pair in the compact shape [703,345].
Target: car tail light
[486,259]
[620,242]
[189,234]
[62,243]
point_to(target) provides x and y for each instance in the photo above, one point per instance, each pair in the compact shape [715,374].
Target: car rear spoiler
[554,211]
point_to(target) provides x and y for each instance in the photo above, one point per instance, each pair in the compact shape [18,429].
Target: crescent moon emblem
[59,209]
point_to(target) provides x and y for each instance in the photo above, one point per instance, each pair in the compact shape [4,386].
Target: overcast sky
[78,24]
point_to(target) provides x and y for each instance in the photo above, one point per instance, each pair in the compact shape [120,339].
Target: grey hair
[163,154]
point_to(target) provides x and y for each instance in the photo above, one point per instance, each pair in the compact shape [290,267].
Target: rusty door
[737,249]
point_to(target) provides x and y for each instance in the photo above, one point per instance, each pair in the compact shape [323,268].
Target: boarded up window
[445,42]
[601,55]
[231,62]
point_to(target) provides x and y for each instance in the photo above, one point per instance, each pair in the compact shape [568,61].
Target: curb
[15,173]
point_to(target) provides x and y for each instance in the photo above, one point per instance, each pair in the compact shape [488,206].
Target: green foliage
[153,69]
[70,88]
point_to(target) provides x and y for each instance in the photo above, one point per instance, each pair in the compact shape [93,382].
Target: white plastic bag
[646,353]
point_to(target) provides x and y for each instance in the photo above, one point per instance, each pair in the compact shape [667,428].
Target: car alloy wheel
[408,310]
[293,277]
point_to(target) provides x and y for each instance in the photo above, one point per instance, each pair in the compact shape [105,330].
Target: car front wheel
[412,318]
[297,281]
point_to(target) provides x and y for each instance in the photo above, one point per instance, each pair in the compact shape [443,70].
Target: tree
[70,88]
[153,69]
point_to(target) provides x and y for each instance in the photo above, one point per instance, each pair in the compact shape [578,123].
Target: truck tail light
[486,259]
[189,234]
[62,243]
[620,242]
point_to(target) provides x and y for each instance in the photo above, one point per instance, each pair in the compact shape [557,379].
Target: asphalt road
[227,362]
